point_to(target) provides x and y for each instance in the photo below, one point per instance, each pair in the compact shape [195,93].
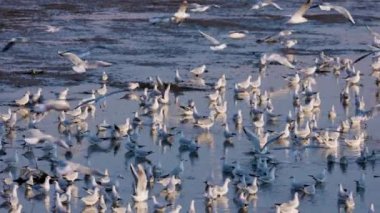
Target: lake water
[120,32]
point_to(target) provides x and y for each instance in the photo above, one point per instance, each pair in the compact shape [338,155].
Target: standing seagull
[297,17]
[216,45]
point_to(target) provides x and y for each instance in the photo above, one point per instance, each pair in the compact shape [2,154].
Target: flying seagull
[297,17]
[12,42]
[215,44]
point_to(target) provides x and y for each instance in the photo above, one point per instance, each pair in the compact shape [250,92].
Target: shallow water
[119,32]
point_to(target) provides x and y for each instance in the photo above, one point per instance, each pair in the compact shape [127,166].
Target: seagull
[199,70]
[320,178]
[80,66]
[181,14]
[91,199]
[104,77]
[201,8]
[265,3]
[245,84]
[328,7]
[215,44]
[12,42]
[289,206]
[275,57]
[297,17]
[24,100]
[258,141]
[238,34]
[52,29]
[178,78]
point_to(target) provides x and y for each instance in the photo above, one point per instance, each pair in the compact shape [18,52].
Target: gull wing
[213,40]
[72,57]
[280,59]
[9,45]
[270,2]
[303,9]
[374,34]
[339,9]
[140,177]
[183,7]
[272,140]
[253,138]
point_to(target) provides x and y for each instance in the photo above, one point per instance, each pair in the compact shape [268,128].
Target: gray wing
[303,9]
[253,138]
[213,40]
[72,57]
[344,12]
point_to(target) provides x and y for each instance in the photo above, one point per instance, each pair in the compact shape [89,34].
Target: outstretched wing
[72,57]
[253,138]
[303,9]
[213,40]
[339,9]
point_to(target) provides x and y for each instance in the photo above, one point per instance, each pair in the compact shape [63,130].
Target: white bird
[238,34]
[178,78]
[215,44]
[213,96]
[80,66]
[24,100]
[342,193]
[298,16]
[199,70]
[181,13]
[221,82]
[260,143]
[353,79]
[201,8]
[36,97]
[132,85]
[192,207]
[292,204]
[63,94]
[104,76]
[302,133]
[102,90]
[356,142]
[221,190]
[332,113]
[275,57]
[265,3]
[206,122]
[328,7]
[292,78]
[320,178]
[166,96]
[5,117]
[91,199]
[245,84]
[257,83]
[350,201]
[221,108]
[52,29]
